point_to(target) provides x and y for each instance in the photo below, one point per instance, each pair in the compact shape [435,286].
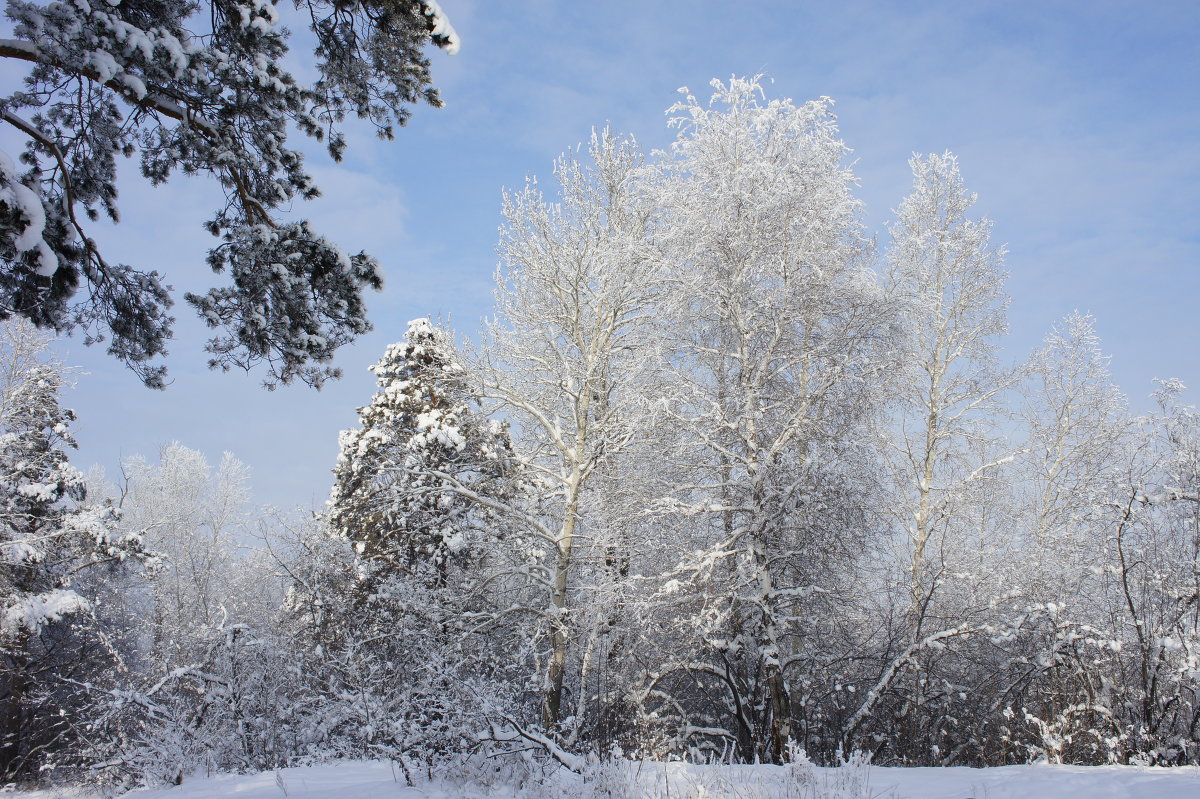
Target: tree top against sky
[1070,122]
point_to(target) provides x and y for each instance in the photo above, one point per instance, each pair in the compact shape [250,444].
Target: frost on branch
[295,299]
[198,88]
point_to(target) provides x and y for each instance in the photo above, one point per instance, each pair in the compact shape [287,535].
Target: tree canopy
[200,88]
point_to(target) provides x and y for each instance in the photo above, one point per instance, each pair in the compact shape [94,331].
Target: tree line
[721,479]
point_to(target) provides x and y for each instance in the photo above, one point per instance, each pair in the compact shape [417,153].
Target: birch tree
[1154,588]
[565,361]
[943,266]
[192,515]
[943,460]
[1072,469]
[1078,425]
[777,330]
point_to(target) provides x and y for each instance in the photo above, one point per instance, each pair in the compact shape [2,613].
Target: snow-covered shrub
[388,667]
[618,778]
[234,709]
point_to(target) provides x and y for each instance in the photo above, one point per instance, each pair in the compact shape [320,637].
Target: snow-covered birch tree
[1153,591]
[191,515]
[1070,475]
[566,361]
[944,453]
[1077,425]
[778,330]
[945,270]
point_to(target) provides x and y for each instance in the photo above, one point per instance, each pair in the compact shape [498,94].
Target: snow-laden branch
[906,658]
[519,732]
[149,100]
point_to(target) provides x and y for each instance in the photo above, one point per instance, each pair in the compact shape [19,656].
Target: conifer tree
[421,432]
[47,539]
[203,88]
[389,609]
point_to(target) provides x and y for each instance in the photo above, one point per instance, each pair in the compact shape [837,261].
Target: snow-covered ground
[1039,782]
[375,780]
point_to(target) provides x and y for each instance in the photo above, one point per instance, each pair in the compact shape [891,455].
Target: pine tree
[402,478]
[382,602]
[202,88]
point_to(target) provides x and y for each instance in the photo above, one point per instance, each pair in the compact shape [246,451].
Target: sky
[1077,123]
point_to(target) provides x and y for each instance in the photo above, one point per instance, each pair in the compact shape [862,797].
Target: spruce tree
[48,539]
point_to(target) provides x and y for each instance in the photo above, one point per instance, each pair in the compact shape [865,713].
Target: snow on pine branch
[119,79]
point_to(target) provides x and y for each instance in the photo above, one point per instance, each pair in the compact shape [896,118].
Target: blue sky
[1077,123]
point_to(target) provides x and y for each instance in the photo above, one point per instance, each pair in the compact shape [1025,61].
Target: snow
[40,492]
[17,195]
[31,206]
[382,780]
[136,85]
[442,26]
[105,65]
[21,197]
[437,428]
[36,610]
[1037,781]
[19,551]
[47,261]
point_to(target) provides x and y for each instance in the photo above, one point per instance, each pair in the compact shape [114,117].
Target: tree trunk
[12,743]
[556,668]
